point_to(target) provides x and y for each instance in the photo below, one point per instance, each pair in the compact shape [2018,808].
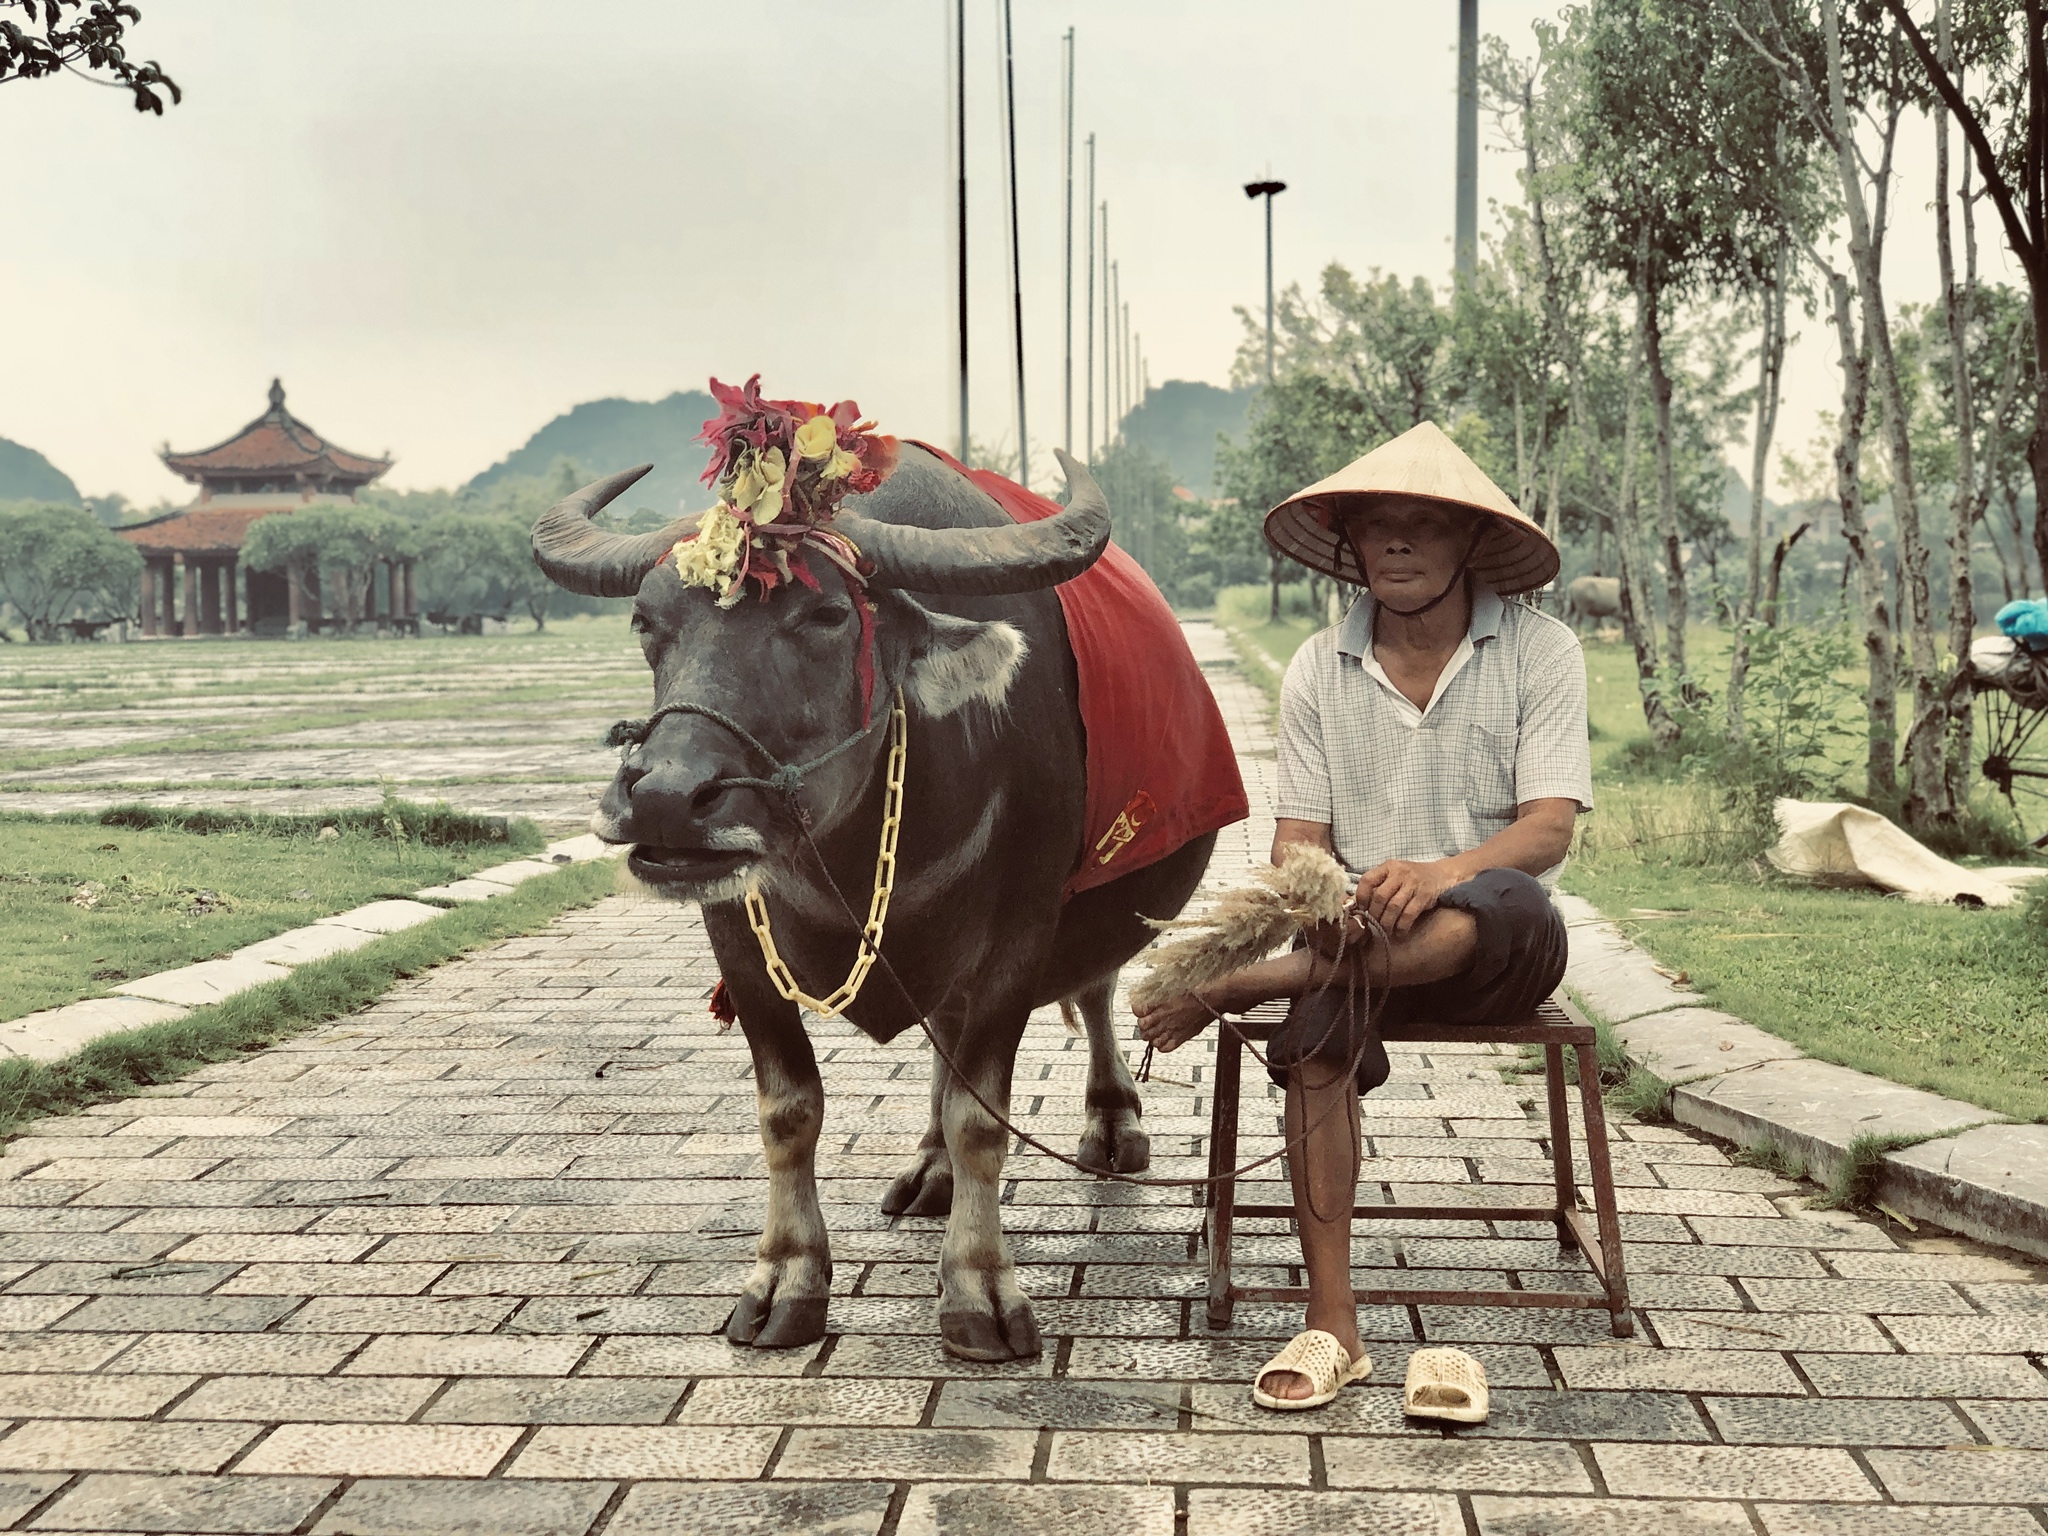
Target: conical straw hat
[1422,464]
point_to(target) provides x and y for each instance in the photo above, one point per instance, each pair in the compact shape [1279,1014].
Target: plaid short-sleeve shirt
[1506,725]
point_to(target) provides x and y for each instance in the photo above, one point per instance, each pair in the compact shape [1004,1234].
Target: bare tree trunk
[1866,252]
[1880,699]
[1955,719]
[1638,620]
[1648,323]
[1770,370]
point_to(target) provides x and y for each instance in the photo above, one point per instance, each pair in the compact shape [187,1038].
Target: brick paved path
[456,1264]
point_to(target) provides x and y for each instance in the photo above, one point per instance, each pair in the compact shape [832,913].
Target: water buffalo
[992,826]
[1592,598]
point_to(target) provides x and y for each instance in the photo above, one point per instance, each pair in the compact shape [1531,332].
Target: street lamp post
[1267,190]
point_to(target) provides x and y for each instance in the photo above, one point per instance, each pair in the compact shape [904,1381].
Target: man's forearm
[1534,843]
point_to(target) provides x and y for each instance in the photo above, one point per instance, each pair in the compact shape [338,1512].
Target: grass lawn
[86,903]
[1941,998]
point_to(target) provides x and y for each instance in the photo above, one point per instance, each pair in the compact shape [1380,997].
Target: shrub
[59,563]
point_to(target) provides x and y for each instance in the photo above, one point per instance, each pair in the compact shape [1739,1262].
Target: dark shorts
[1518,963]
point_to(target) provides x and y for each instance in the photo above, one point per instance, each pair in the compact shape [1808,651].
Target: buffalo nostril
[707,796]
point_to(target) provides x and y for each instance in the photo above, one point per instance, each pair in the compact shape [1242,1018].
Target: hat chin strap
[1457,577]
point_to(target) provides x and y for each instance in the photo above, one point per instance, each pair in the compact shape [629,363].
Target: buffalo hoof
[777,1324]
[994,1335]
[1117,1145]
[925,1188]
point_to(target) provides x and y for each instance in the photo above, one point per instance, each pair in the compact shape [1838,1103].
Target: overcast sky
[445,223]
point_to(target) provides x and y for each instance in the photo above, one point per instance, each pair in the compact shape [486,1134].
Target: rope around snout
[787,780]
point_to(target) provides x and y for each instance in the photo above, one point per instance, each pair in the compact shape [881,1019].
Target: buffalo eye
[829,615]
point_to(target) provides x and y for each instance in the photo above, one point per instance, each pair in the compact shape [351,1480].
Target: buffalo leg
[785,1298]
[1114,1142]
[925,1188]
[983,1312]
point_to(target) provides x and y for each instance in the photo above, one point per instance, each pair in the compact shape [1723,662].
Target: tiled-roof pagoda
[277,463]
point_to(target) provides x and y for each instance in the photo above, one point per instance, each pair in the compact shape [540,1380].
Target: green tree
[343,542]
[87,37]
[59,563]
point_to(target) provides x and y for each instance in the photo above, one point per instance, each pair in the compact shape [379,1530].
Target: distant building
[275,464]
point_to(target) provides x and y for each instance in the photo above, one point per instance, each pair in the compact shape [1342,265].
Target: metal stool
[1554,1025]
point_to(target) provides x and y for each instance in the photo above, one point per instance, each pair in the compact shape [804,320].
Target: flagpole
[1088,362]
[1067,248]
[960,208]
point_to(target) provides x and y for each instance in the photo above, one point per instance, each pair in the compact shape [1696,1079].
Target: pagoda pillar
[189,619]
[294,579]
[210,574]
[230,583]
[412,593]
[146,607]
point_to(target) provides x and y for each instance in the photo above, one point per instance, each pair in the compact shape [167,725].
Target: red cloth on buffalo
[1161,771]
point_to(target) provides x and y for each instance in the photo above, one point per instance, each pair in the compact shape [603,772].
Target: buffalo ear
[956,662]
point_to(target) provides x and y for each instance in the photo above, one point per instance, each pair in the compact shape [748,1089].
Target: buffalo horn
[595,561]
[989,562]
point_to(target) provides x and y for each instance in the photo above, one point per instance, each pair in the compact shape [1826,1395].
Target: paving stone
[1287,1512]
[82,1445]
[2003,1376]
[153,1279]
[60,1352]
[2009,1423]
[1803,1231]
[1731,1472]
[1494,1466]
[420,1354]
[543,1400]
[381,1450]
[1893,1520]
[1666,1417]
[21,1492]
[870,1355]
[50,1394]
[941,1509]
[384,916]
[19,1314]
[121,1502]
[445,1507]
[1922,1296]
[1842,1331]
[637,1451]
[917,1454]
[1832,1421]
[1939,1335]
[1683,1044]
[849,1401]
[1975,1475]
[1082,1456]
[315,941]
[818,1509]
[338,1400]
[1521,1516]
[281,1354]
[624,1314]
[1675,1370]
[399,1314]
[703,1356]
[195,986]
[2008,1298]
[1050,1405]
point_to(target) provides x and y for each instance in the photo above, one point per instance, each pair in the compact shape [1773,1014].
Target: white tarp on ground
[1840,844]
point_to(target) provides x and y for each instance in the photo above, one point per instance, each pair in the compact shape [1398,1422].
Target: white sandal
[1323,1360]
[1445,1384]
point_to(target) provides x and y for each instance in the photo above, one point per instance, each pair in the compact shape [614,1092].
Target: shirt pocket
[1490,773]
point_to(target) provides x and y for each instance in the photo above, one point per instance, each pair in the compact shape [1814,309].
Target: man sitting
[1435,739]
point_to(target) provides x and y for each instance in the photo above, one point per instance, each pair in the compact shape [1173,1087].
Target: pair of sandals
[1442,1383]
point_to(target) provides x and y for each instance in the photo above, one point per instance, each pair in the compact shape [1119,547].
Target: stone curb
[57,1032]
[1974,1174]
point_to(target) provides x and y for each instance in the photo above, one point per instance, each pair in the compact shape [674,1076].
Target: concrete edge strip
[55,1033]
[1958,1165]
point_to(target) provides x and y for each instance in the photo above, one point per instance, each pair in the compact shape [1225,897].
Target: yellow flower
[712,558]
[757,487]
[841,464]
[817,438]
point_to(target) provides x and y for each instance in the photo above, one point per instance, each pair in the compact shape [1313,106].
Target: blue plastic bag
[2027,622]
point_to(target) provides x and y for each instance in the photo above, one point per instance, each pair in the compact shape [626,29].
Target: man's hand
[1168,1025]
[1397,893]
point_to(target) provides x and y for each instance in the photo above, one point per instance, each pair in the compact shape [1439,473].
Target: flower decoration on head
[781,467]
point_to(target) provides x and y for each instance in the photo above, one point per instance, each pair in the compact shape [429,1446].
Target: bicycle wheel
[2015,761]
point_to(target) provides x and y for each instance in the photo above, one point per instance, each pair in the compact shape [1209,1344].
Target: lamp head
[1263,188]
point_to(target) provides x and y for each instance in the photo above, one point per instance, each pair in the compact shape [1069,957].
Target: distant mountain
[26,475]
[1179,421]
[603,436]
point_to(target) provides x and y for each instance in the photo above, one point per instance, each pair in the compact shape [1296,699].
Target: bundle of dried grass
[1306,887]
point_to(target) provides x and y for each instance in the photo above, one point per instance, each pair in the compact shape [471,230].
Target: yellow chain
[878,904]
